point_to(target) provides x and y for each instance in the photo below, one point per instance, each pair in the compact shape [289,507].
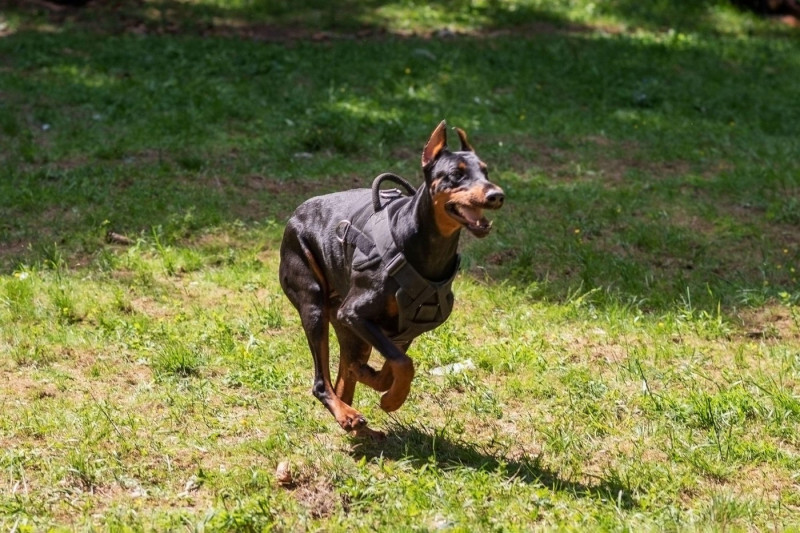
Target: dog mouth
[471,217]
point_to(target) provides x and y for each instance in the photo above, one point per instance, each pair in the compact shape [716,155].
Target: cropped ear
[465,146]
[436,144]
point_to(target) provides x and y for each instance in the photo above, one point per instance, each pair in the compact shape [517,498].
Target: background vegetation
[633,320]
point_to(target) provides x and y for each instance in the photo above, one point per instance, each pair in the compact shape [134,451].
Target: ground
[633,318]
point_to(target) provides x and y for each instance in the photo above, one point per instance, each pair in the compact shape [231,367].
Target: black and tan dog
[378,265]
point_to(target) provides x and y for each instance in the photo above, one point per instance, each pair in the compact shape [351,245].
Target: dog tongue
[473,215]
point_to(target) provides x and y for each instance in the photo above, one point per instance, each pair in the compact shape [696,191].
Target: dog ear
[465,146]
[435,145]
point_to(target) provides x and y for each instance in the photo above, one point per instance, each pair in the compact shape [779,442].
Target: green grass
[634,320]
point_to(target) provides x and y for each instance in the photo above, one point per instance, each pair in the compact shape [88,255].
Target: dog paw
[353,422]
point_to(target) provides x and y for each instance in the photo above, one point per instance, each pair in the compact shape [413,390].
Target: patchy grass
[633,321]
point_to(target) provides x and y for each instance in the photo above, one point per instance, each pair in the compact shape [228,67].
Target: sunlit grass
[628,334]
[192,370]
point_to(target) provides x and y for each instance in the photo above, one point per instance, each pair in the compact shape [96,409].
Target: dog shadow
[420,447]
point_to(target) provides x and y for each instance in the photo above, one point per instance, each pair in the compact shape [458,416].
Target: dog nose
[495,198]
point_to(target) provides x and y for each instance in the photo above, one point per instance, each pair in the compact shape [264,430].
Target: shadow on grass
[284,20]
[649,168]
[422,447]
[281,21]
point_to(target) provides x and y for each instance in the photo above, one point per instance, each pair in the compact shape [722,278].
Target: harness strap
[377,192]
[346,232]
[421,299]
[414,285]
[422,303]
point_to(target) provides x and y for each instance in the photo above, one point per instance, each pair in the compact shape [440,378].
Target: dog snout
[495,198]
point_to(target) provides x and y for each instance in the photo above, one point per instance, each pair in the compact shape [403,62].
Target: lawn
[633,321]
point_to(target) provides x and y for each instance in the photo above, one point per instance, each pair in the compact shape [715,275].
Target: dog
[378,265]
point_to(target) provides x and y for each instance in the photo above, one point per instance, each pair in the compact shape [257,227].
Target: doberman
[381,274]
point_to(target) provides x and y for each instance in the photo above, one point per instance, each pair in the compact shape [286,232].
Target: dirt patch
[608,162]
[609,353]
[274,33]
[140,17]
[149,307]
[767,482]
[771,322]
[303,187]
[46,244]
[12,253]
[19,386]
[318,497]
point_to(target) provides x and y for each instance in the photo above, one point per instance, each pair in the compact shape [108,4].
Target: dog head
[459,185]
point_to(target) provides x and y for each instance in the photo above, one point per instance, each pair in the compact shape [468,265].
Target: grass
[634,320]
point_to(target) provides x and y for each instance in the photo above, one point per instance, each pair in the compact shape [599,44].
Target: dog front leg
[380,381]
[398,370]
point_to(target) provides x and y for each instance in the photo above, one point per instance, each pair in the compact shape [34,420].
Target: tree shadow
[683,15]
[281,21]
[421,447]
[630,165]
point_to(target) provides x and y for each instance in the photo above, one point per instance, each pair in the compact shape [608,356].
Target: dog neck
[415,231]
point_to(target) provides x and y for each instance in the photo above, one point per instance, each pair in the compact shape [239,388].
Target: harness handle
[388,176]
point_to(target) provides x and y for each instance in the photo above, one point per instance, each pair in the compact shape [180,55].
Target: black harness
[422,304]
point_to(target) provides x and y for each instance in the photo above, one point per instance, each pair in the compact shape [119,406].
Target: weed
[270,315]
[176,358]
[65,306]
[18,294]
[32,353]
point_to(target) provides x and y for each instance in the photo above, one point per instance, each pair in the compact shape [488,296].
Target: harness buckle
[342,228]
[397,262]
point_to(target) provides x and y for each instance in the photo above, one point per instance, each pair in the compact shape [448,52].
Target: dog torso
[354,244]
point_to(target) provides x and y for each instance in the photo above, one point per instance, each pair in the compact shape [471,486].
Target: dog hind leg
[305,286]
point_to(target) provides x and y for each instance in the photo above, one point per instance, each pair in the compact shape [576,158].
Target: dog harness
[422,304]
